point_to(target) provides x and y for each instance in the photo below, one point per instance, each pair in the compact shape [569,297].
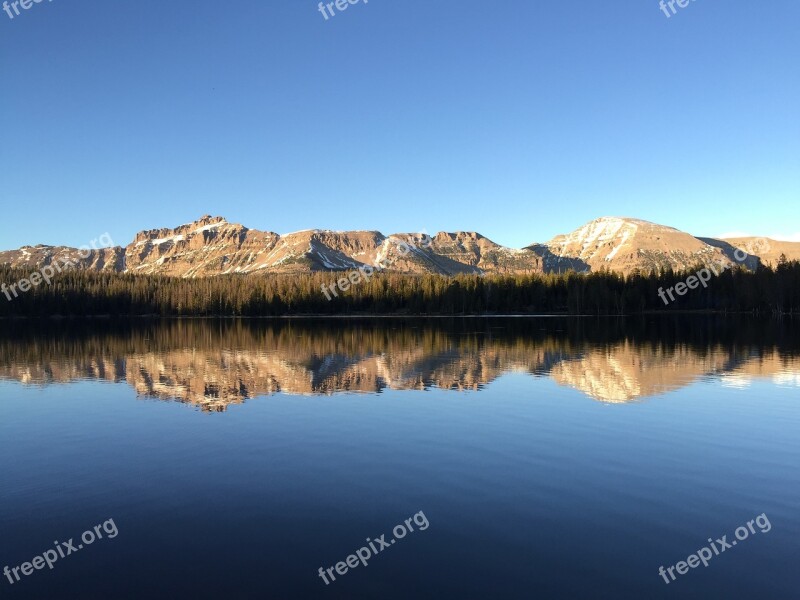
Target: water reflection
[212,364]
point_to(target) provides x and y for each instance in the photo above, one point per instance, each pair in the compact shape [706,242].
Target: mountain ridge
[213,246]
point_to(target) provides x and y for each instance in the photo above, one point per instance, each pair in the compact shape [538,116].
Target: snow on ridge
[602,231]
[301,231]
[173,239]
[624,239]
[592,235]
[209,227]
[333,231]
[329,261]
[159,241]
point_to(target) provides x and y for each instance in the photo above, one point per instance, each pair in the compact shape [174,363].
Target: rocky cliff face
[35,257]
[209,246]
[483,255]
[213,246]
[768,251]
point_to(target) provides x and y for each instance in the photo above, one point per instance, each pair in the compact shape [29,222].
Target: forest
[83,293]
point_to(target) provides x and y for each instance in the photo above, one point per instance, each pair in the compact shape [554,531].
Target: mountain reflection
[212,364]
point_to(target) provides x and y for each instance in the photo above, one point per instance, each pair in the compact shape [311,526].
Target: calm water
[550,458]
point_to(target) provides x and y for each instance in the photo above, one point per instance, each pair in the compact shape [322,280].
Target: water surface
[552,458]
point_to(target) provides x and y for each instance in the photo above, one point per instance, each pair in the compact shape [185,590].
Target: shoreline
[400,316]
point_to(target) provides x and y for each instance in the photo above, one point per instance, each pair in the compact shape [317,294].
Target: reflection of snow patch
[736,381]
[787,378]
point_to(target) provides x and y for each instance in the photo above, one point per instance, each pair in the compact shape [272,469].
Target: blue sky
[520,119]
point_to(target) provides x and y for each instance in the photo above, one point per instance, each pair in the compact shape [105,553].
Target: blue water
[533,487]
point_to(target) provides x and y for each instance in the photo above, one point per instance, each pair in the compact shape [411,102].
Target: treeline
[81,293]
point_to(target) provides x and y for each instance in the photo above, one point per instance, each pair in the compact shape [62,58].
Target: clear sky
[519,119]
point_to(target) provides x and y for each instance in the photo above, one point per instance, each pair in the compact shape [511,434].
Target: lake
[505,457]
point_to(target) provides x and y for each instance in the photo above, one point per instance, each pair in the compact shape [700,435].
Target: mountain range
[213,246]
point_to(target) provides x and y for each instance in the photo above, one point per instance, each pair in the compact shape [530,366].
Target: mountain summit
[624,244]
